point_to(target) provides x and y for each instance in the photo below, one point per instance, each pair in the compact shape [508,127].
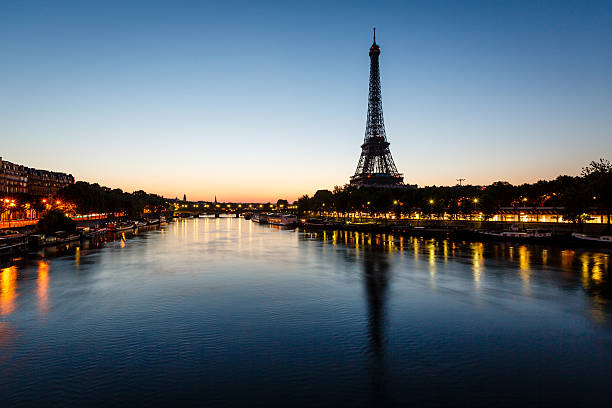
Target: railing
[17,223]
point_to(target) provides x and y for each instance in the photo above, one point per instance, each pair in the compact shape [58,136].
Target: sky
[255,101]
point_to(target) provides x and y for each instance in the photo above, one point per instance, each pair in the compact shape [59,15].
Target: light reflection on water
[8,290]
[225,311]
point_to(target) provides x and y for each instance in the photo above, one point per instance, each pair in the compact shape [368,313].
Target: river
[226,312]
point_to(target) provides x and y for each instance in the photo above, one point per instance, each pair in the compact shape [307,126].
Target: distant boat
[112,227]
[529,234]
[247,216]
[260,218]
[282,219]
[316,223]
[604,239]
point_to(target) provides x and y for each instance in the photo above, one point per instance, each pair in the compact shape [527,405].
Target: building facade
[19,179]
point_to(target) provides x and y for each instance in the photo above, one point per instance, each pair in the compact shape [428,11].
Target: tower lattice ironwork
[376,166]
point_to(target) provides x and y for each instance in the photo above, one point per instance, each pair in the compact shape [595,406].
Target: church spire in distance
[376,167]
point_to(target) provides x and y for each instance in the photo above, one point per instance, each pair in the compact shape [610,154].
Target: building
[19,179]
[376,167]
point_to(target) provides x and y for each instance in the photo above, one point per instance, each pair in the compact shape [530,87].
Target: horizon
[267,102]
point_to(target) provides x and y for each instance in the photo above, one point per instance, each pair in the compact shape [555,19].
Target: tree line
[92,198]
[574,196]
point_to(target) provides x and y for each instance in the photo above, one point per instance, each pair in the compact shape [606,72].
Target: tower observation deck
[376,167]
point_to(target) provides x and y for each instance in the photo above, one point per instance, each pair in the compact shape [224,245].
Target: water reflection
[8,290]
[477,262]
[567,267]
[229,308]
[43,287]
[375,272]
[524,269]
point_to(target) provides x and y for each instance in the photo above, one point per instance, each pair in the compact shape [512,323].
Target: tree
[598,177]
[55,220]
[574,203]
[303,204]
[321,200]
[341,198]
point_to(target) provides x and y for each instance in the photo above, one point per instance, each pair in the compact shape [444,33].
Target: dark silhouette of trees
[598,179]
[93,198]
[55,220]
[576,197]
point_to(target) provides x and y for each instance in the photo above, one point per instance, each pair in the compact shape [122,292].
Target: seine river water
[221,312]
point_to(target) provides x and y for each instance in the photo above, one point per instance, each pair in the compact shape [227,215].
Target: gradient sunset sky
[254,101]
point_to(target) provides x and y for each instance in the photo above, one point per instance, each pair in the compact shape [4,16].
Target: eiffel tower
[376,167]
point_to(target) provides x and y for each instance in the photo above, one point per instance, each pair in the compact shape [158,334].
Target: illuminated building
[19,179]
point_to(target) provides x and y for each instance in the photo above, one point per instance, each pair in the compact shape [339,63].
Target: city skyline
[270,101]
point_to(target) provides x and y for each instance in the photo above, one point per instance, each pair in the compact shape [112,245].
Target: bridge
[188,209]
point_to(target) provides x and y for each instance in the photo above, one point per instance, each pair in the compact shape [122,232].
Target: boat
[12,242]
[113,227]
[247,215]
[316,223]
[603,239]
[282,219]
[260,218]
[529,234]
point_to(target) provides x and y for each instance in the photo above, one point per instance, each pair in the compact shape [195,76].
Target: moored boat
[12,242]
[282,219]
[260,218]
[316,223]
[527,235]
[116,227]
[602,239]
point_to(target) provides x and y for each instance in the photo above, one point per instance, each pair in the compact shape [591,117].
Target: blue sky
[259,101]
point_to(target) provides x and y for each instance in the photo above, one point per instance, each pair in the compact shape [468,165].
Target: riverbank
[23,240]
[570,235]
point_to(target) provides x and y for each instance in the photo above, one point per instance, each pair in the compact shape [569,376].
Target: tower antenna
[374,35]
